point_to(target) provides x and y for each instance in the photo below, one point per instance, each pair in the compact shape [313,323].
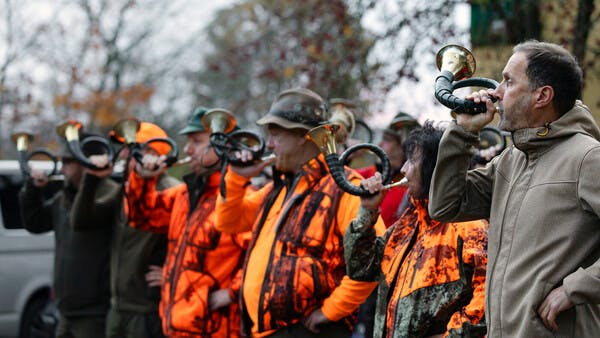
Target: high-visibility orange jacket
[199,260]
[295,263]
[431,275]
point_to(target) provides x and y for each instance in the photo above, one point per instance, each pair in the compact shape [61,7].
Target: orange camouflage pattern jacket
[431,274]
[295,261]
[199,260]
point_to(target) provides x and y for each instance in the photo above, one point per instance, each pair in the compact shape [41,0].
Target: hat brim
[272,119]
[190,129]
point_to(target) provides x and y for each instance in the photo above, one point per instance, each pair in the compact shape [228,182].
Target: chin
[505,125]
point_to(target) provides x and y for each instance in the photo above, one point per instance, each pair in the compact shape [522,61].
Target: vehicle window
[9,201]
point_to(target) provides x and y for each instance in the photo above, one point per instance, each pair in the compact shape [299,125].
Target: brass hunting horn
[70,130]
[125,132]
[22,141]
[226,140]
[324,137]
[457,65]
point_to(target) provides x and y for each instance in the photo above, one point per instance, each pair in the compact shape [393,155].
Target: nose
[498,93]
[270,143]
[404,168]
[187,149]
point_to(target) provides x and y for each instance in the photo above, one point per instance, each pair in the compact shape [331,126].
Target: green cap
[194,123]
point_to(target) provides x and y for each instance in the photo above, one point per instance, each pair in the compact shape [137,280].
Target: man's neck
[304,157]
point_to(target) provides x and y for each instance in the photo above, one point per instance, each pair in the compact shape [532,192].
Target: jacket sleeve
[469,322]
[583,284]
[36,212]
[363,249]
[146,208]
[456,193]
[242,240]
[238,212]
[96,203]
[349,294]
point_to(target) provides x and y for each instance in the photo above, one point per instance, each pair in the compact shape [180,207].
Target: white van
[26,260]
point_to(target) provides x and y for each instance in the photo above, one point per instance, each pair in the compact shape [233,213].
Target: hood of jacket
[578,120]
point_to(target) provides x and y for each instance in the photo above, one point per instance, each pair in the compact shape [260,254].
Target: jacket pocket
[566,323]
[298,286]
[310,222]
[536,323]
[189,310]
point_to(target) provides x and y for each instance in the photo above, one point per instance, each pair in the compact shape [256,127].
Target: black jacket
[81,268]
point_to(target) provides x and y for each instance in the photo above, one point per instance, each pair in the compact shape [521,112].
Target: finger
[490,105]
[545,314]
[551,319]
[154,282]
[543,311]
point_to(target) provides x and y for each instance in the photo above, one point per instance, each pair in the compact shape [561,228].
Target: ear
[301,141]
[543,96]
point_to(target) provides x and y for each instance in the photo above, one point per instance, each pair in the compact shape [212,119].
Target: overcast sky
[412,98]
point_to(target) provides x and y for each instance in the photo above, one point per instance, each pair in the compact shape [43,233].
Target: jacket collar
[422,214]
[313,170]
[578,120]
[199,185]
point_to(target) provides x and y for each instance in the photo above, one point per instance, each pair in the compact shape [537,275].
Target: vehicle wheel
[39,319]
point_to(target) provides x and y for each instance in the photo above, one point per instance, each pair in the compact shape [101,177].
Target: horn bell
[218,121]
[22,140]
[456,59]
[125,130]
[69,130]
[324,137]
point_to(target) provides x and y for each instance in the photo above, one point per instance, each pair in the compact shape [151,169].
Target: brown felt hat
[296,108]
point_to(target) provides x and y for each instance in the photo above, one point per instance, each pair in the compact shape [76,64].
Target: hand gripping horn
[125,132]
[22,141]
[70,131]
[324,137]
[457,65]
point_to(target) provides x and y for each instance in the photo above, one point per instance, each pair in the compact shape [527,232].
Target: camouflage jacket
[431,275]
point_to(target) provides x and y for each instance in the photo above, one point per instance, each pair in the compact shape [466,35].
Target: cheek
[275,145]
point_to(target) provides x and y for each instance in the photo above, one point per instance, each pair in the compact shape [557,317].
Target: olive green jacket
[100,205]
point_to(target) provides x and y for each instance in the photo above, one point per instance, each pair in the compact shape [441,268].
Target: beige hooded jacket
[542,197]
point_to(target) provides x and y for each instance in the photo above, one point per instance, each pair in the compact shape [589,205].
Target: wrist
[365,219]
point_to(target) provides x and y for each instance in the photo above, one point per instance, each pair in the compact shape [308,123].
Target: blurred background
[101,60]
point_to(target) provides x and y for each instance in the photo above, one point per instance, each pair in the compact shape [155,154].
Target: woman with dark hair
[431,275]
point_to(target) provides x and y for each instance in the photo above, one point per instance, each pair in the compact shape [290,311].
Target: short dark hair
[427,141]
[552,65]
